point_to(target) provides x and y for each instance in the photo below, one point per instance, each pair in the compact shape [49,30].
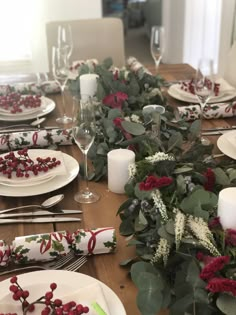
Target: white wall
[227,15]
[192,30]
[56,10]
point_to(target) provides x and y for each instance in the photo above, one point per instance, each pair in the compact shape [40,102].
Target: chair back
[92,38]
[230,67]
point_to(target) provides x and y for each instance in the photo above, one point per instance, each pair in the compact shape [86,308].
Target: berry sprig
[23,166]
[189,86]
[15,102]
[52,306]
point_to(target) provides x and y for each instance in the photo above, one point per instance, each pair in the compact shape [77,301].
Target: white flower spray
[180,221]
[132,170]
[159,204]
[159,156]
[162,251]
[201,231]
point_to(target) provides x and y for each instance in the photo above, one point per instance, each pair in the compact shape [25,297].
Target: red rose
[222,285]
[115,100]
[210,179]
[216,264]
[154,182]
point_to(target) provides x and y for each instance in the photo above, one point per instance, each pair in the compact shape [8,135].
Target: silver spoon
[35,123]
[48,203]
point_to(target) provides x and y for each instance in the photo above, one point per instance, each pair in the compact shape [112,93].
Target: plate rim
[50,106]
[77,278]
[174,93]
[35,190]
[221,145]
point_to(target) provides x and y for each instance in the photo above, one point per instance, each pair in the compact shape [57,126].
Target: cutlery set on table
[47,215]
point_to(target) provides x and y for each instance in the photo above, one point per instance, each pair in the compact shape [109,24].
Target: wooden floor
[137,44]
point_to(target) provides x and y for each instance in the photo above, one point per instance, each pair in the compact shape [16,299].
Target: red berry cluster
[15,102]
[52,306]
[189,86]
[23,166]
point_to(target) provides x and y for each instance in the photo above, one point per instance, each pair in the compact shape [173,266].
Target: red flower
[210,179]
[230,237]
[117,122]
[215,264]
[214,223]
[154,182]
[222,285]
[115,100]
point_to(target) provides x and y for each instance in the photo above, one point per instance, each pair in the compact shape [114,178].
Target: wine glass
[60,70]
[204,87]
[84,131]
[64,40]
[157,44]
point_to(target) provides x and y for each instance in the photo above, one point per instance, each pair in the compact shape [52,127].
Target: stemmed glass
[60,70]
[64,40]
[204,87]
[157,44]
[84,131]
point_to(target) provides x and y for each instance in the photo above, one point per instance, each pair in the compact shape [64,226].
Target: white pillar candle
[227,208]
[118,174]
[88,85]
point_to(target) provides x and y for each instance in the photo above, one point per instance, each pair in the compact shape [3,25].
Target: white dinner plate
[47,106]
[38,283]
[56,182]
[227,143]
[42,176]
[176,92]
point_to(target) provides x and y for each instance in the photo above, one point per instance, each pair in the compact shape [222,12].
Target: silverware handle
[19,208]
[20,269]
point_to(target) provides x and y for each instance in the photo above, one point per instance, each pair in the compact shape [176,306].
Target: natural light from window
[15,29]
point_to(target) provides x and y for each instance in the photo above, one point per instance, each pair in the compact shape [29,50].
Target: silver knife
[39,220]
[219,128]
[38,213]
[25,129]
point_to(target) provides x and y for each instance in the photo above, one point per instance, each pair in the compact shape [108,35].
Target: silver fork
[59,263]
[74,266]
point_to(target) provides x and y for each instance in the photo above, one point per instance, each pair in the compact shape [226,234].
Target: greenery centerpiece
[185,261]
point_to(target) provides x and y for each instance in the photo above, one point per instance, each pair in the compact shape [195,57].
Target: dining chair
[230,66]
[92,38]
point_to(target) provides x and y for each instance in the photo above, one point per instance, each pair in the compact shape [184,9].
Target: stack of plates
[47,106]
[226,92]
[44,182]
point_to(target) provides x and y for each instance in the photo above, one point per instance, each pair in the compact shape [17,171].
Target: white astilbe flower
[158,202]
[135,118]
[162,251]
[132,170]
[201,231]
[127,118]
[179,227]
[159,156]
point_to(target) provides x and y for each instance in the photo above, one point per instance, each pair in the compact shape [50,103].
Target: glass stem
[63,100]
[86,171]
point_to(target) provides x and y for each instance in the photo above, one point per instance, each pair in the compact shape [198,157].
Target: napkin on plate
[211,111]
[85,296]
[225,89]
[48,246]
[35,139]
[41,176]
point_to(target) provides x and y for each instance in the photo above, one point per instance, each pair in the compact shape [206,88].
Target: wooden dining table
[104,267]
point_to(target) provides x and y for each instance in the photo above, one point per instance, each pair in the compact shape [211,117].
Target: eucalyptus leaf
[221,177]
[133,128]
[176,140]
[114,113]
[232,174]
[226,303]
